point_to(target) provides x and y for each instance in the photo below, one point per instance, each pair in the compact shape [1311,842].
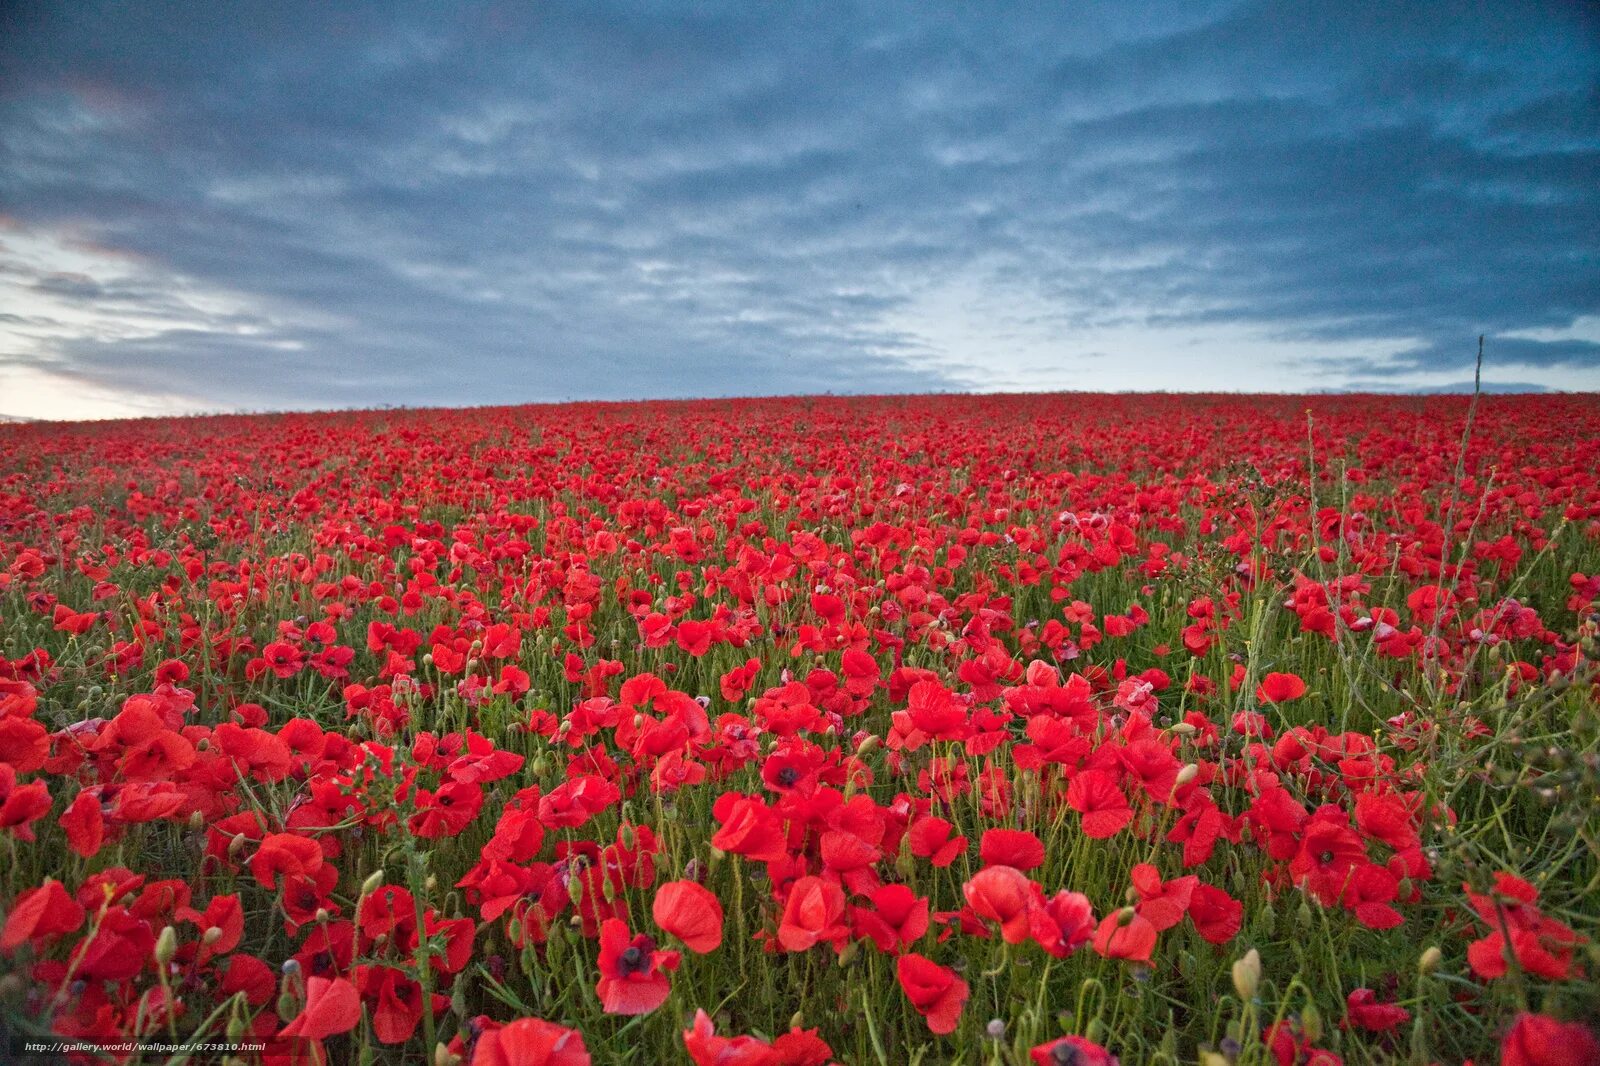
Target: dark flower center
[634,961]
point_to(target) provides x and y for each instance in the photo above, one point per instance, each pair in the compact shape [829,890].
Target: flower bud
[373,882]
[1247,975]
[166,945]
[1311,1022]
[1187,774]
[212,935]
[1429,962]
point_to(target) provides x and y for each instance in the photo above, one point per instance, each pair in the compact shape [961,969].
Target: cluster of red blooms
[891,706]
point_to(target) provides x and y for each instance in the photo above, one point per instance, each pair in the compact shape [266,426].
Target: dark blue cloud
[292,205]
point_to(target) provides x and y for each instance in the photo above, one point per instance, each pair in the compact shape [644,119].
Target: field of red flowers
[999,730]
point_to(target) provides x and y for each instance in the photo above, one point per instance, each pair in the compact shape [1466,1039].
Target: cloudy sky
[218,206]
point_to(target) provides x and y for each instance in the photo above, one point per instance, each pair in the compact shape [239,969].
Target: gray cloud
[290,206]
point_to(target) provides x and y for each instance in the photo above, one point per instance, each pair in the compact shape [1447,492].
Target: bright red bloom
[1539,1040]
[1072,1051]
[1004,896]
[1105,810]
[797,1047]
[1064,923]
[1329,853]
[1280,688]
[1162,905]
[332,1007]
[931,840]
[812,914]
[1216,915]
[632,972]
[1363,1010]
[1539,944]
[530,1042]
[40,914]
[283,855]
[1125,935]
[898,918]
[690,912]
[935,991]
[1011,847]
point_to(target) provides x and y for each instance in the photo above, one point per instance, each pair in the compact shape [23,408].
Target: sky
[209,207]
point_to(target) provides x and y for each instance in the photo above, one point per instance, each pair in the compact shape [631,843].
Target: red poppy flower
[283,855]
[935,991]
[1125,935]
[1363,1010]
[1064,923]
[332,1007]
[1216,915]
[812,913]
[797,1047]
[1539,1040]
[632,972]
[40,914]
[690,912]
[898,918]
[530,1042]
[931,839]
[1280,688]
[1072,1051]
[1163,905]
[1095,795]
[1004,896]
[1016,848]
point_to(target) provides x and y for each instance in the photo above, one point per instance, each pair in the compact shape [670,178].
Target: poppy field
[1045,729]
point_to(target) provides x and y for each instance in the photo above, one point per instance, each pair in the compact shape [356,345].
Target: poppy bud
[166,945]
[1303,916]
[629,838]
[197,820]
[1429,962]
[323,914]
[1187,774]
[1247,974]
[869,744]
[1182,729]
[443,1056]
[373,882]
[796,1020]
[430,884]
[1096,1031]
[1311,1022]
[212,935]
[237,845]
[288,1006]
[203,745]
